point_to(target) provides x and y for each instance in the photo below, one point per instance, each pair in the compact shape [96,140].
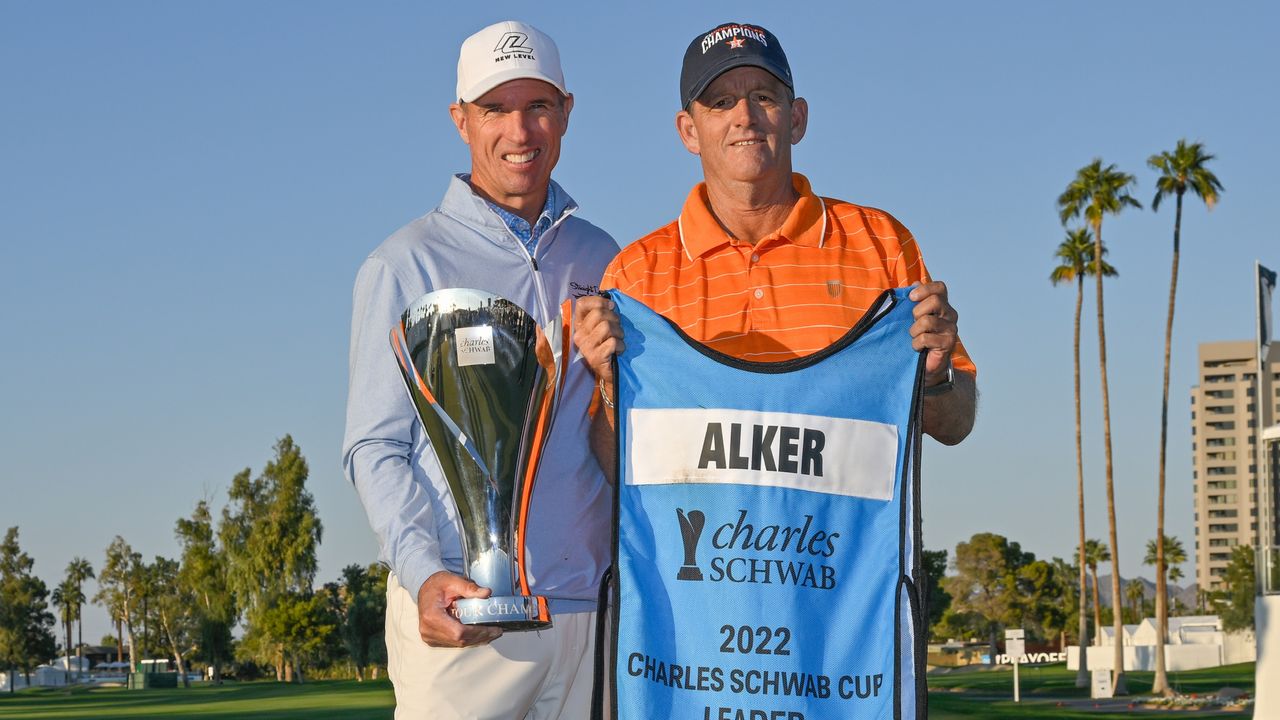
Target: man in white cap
[508,229]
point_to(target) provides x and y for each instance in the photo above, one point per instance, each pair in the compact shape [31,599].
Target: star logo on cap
[737,43]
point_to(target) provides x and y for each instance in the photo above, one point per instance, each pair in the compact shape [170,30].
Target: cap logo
[734,34]
[513,43]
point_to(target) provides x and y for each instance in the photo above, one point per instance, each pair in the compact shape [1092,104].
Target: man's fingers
[935,305]
[439,628]
[445,587]
[938,310]
[598,343]
[933,324]
[472,590]
[923,290]
[938,342]
[938,357]
[607,347]
[597,333]
[584,306]
[934,328]
[436,625]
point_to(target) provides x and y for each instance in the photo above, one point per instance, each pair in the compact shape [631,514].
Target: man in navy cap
[759,266]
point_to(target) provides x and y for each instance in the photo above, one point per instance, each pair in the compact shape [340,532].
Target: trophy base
[689,572]
[509,612]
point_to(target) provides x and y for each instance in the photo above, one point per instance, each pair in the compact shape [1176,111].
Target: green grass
[337,699]
[1056,681]
[953,696]
[989,694]
[947,707]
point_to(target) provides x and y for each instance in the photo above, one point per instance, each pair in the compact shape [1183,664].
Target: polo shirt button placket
[754,258]
[751,257]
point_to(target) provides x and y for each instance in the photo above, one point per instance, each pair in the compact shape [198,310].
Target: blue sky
[188,190]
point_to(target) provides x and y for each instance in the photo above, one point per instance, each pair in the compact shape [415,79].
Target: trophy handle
[566,321]
[552,349]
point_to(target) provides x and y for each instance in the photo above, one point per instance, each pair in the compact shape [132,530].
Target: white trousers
[543,675]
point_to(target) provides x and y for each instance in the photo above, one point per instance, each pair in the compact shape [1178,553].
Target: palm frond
[1185,169]
[1097,191]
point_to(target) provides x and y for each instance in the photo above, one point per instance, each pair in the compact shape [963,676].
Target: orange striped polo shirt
[791,294]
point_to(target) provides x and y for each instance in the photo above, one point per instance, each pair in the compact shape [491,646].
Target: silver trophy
[485,378]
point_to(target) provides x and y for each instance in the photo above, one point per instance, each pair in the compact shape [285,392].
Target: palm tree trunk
[1161,682]
[1082,674]
[119,641]
[1119,684]
[79,641]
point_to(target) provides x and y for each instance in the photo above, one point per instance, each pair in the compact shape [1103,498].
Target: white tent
[49,676]
[1108,636]
[72,663]
[43,676]
[1195,641]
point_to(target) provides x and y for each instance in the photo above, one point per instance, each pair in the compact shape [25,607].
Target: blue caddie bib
[767,545]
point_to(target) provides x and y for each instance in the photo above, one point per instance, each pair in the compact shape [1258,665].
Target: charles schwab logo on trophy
[484,378]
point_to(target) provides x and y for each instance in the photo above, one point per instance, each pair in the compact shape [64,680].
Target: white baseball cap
[503,52]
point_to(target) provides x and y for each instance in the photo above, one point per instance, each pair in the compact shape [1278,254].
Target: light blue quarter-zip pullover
[386,455]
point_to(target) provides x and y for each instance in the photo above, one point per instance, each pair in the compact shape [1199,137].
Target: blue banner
[767,527]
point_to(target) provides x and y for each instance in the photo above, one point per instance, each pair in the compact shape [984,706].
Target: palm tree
[1076,256]
[1137,595]
[1181,170]
[1174,556]
[1095,192]
[79,570]
[1095,552]
[63,599]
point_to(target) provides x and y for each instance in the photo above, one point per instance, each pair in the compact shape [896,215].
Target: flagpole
[1264,492]
[1266,608]
[1262,405]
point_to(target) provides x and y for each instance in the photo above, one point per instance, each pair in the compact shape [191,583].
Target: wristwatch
[945,386]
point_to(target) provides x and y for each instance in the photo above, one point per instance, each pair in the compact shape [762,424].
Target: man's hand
[948,417]
[597,332]
[934,329]
[440,629]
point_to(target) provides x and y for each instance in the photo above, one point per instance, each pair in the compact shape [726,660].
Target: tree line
[994,584]
[251,569]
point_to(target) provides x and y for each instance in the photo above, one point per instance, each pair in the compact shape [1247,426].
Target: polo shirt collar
[461,200]
[700,232]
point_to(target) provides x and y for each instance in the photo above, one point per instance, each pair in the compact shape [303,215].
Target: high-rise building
[1224,428]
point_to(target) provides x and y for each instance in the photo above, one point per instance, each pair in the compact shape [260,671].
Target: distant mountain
[1187,595]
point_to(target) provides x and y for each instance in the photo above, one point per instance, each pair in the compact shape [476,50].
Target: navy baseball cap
[725,47]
